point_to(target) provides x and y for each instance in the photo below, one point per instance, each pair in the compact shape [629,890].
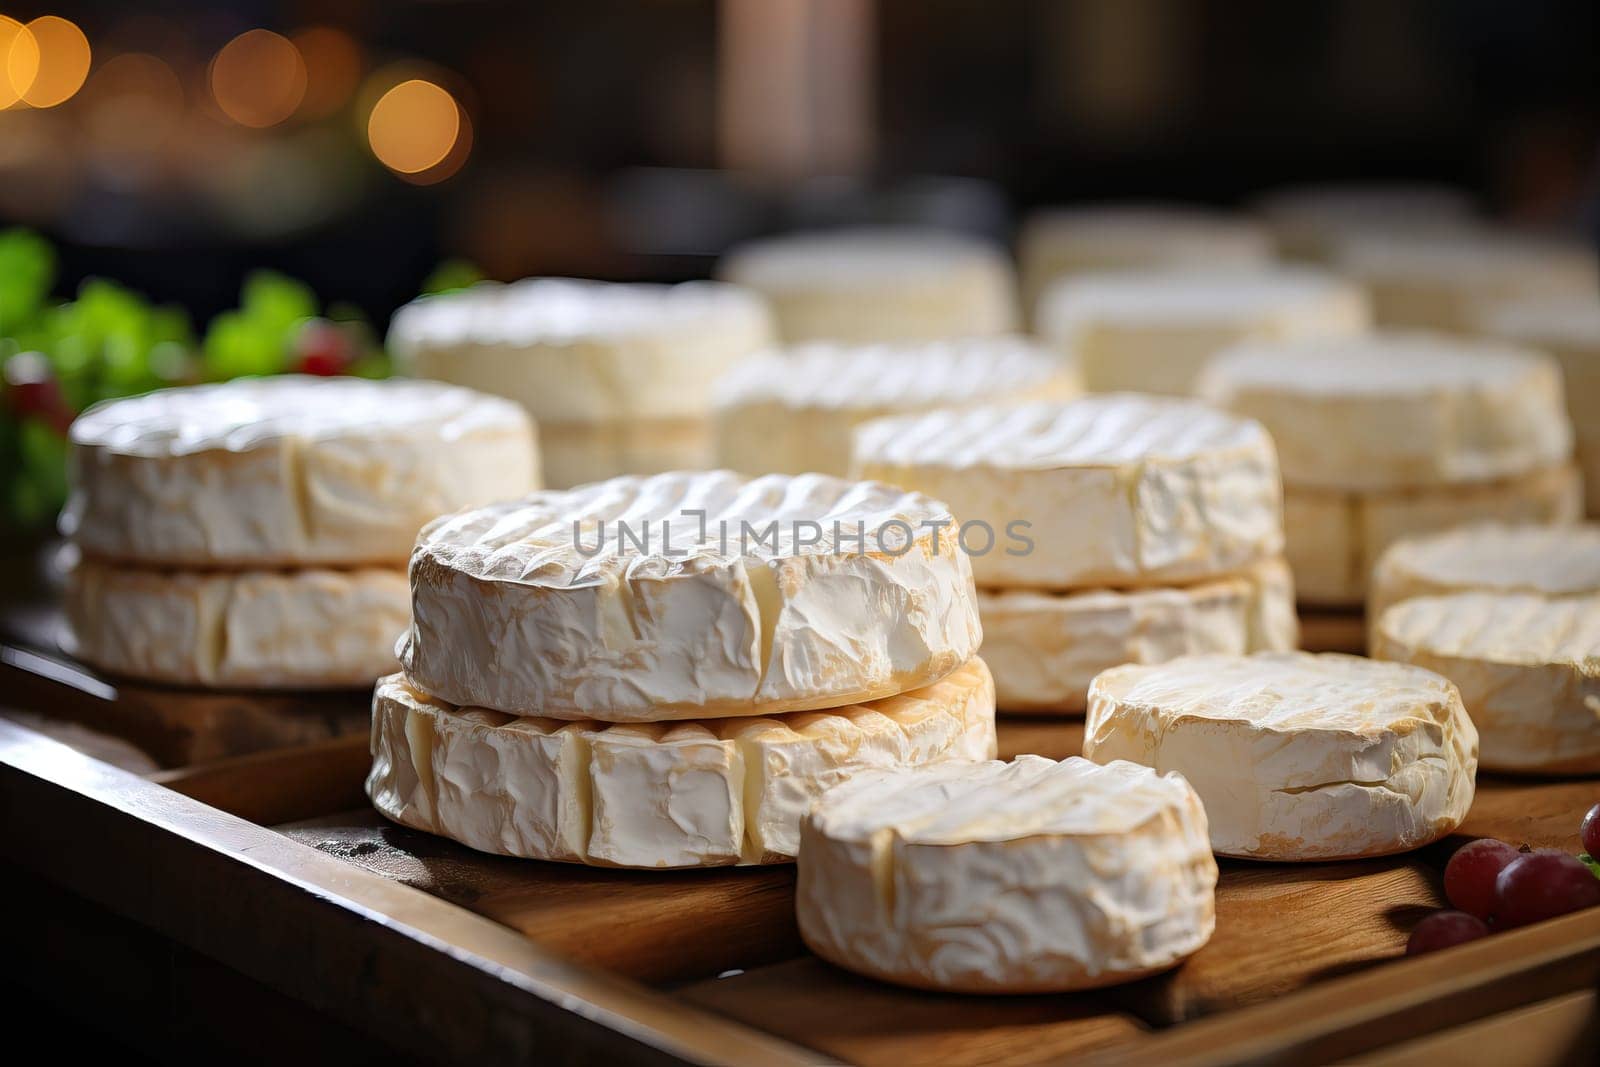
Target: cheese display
[266,629]
[1113,490]
[1060,242]
[1334,539]
[1397,410]
[1444,279]
[1528,668]
[1297,756]
[794,411]
[1309,222]
[290,470]
[667,794]
[1493,557]
[617,375]
[1024,877]
[689,595]
[878,284]
[1152,331]
[1045,648]
[1569,330]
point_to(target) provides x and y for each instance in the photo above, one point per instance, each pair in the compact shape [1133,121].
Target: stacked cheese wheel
[1390,435]
[1152,331]
[254,533]
[1106,530]
[878,284]
[795,410]
[617,376]
[1511,614]
[665,671]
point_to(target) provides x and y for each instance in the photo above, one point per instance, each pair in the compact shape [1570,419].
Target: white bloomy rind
[1024,877]
[1548,561]
[753,596]
[288,470]
[1111,490]
[676,794]
[1297,756]
[1528,669]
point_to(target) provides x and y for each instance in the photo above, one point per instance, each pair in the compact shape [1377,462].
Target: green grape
[450,275]
[275,301]
[27,273]
[236,346]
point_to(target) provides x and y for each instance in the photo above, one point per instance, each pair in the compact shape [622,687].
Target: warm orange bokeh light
[414,127]
[63,62]
[258,79]
[19,61]
[333,68]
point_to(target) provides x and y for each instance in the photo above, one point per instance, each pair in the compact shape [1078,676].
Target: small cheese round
[1024,877]
[1549,561]
[290,470]
[1152,331]
[617,375]
[1334,539]
[794,411]
[1107,490]
[672,794]
[1528,668]
[1397,410]
[878,284]
[1063,241]
[304,629]
[689,595]
[1297,756]
[1442,279]
[1310,221]
[1045,648]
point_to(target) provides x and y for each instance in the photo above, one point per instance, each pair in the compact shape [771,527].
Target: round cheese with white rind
[689,595]
[1310,221]
[1024,877]
[1297,756]
[1153,331]
[1108,490]
[290,470]
[878,284]
[302,629]
[1398,410]
[672,794]
[1528,668]
[1547,561]
[1045,648]
[794,410]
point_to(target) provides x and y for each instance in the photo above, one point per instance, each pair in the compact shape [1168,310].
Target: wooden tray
[272,868]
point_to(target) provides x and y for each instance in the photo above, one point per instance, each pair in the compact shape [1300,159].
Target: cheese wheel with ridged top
[1492,557]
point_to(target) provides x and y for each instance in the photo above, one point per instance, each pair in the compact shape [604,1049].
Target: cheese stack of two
[617,375]
[254,534]
[666,671]
[1392,435]
[1107,530]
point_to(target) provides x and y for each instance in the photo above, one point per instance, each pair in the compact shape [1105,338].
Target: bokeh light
[258,79]
[333,69]
[19,61]
[133,105]
[62,63]
[415,129]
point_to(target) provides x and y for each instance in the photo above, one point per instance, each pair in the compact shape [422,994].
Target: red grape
[1590,832]
[1470,874]
[1540,885]
[1443,929]
[323,348]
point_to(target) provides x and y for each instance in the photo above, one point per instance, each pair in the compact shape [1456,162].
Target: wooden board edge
[387,959]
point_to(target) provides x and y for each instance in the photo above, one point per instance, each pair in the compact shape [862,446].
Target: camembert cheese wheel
[1024,877]
[290,470]
[689,595]
[1528,668]
[1334,539]
[1045,648]
[1297,756]
[1398,410]
[300,629]
[1152,331]
[794,411]
[1548,561]
[1310,221]
[671,794]
[878,284]
[1108,490]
